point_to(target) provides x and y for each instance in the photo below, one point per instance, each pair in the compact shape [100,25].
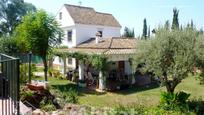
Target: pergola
[99,54]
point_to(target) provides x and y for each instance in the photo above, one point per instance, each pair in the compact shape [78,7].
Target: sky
[131,13]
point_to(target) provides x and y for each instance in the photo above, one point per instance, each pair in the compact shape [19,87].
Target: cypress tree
[175,22]
[144,34]
[149,32]
[167,25]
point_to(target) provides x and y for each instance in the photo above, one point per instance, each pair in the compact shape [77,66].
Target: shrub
[197,105]
[25,93]
[24,72]
[174,101]
[55,73]
[201,78]
[71,96]
[47,105]
[127,110]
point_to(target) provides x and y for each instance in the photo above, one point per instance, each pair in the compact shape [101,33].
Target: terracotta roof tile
[87,15]
[106,46]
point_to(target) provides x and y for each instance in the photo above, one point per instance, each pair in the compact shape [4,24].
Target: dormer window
[69,35]
[60,15]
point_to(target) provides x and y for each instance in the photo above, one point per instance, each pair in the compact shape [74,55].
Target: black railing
[9,85]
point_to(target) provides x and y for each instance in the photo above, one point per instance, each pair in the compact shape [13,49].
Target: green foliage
[38,33]
[201,78]
[11,13]
[174,101]
[196,105]
[66,95]
[128,33]
[8,45]
[47,105]
[144,34]
[175,23]
[128,110]
[99,62]
[71,96]
[24,72]
[25,93]
[174,98]
[171,55]
[55,73]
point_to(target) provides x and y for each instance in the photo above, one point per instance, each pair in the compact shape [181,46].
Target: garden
[144,100]
[173,55]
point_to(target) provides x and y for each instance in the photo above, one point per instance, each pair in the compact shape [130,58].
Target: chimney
[98,35]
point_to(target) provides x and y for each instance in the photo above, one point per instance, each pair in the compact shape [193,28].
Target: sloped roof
[107,46]
[109,43]
[88,16]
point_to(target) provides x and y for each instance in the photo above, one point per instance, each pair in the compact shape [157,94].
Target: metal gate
[9,85]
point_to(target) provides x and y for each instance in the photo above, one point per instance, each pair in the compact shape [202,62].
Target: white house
[82,23]
[94,33]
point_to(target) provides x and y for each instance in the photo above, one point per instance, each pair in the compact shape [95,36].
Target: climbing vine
[99,62]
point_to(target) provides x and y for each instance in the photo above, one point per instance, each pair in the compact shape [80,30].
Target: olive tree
[171,55]
[39,33]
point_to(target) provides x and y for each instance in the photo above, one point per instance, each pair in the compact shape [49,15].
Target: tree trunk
[170,84]
[170,88]
[45,67]
[51,62]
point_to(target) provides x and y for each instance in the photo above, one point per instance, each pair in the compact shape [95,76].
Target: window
[101,32]
[69,61]
[60,15]
[69,35]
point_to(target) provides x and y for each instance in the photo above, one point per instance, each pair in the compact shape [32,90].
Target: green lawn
[147,96]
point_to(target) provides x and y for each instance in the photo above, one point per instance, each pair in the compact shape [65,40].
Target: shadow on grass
[197,106]
[135,89]
[81,91]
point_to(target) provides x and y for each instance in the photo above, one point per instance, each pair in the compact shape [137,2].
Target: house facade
[81,24]
[93,33]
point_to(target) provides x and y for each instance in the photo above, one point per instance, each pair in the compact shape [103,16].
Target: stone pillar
[102,81]
[81,70]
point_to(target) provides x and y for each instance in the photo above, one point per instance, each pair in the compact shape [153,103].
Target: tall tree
[201,31]
[192,25]
[149,32]
[129,33]
[167,25]
[175,22]
[171,55]
[39,32]
[11,12]
[144,34]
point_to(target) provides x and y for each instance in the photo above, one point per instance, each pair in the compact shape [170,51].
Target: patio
[108,61]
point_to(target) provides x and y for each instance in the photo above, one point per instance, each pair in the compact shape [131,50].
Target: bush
[24,72]
[25,93]
[197,106]
[128,110]
[201,78]
[174,101]
[47,105]
[55,73]
[71,96]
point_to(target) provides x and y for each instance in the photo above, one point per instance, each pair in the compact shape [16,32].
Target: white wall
[65,40]
[85,32]
[66,20]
